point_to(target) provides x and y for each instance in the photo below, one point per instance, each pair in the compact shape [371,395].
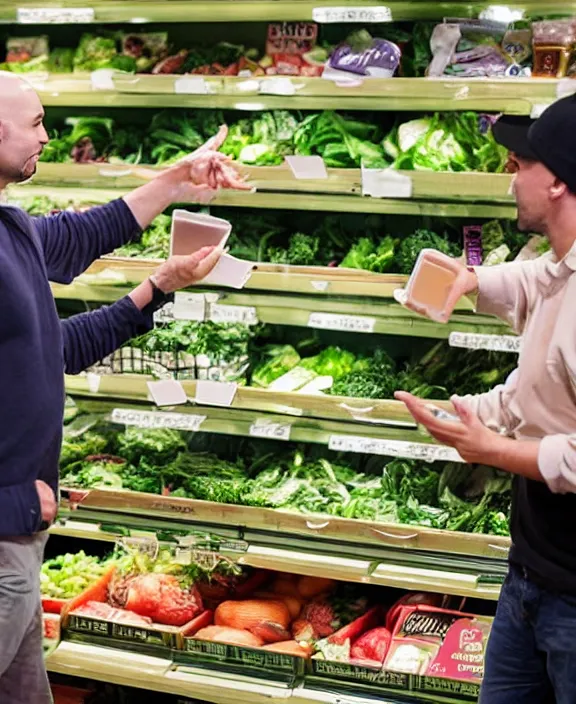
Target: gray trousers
[23,678]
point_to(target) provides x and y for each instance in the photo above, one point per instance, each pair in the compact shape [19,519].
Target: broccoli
[411,246]
[302,250]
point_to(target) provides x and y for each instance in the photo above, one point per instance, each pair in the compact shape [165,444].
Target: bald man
[36,349]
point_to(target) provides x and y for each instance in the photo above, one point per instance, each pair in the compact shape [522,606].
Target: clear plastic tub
[430,285]
[192,231]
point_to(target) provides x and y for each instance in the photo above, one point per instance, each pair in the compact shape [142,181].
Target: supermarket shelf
[142,11]
[266,527]
[358,415]
[157,674]
[288,201]
[371,315]
[278,278]
[406,557]
[441,186]
[513,96]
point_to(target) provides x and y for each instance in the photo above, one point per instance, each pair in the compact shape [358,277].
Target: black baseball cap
[551,139]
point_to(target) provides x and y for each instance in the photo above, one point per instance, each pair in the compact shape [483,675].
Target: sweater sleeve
[20,512]
[72,241]
[509,290]
[492,407]
[89,337]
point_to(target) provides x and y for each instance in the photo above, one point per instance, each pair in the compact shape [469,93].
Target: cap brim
[512,133]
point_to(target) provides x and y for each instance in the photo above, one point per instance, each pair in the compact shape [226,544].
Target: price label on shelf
[307,167]
[263,428]
[157,419]
[342,323]
[189,306]
[215,393]
[167,392]
[393,448]
[320,285]
[565,87]
[278,85]
[476,341]
[537,109]
[385,183]
[191,85]
[331,15]
[55,15]
[221,313]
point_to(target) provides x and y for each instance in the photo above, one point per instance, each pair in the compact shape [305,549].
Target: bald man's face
[22,132]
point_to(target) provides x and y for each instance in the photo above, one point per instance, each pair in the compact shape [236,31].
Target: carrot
[294,605]
[310,587]
[232,636]
[291,647]
[252,612]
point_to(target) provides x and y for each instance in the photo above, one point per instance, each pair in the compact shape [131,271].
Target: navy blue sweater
[36,348]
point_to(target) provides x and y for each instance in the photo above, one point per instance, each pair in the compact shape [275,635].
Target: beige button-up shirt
[538,401]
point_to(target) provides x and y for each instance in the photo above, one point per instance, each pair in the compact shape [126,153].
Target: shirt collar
[570,259]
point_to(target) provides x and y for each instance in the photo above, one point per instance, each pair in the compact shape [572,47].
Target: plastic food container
[430,284]
[192,231]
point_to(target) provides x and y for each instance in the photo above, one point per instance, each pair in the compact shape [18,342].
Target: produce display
[304,617]
[441,142]
[457,47]
[67,576]
[373,242]
[306,480]
[286,49]
[262,358]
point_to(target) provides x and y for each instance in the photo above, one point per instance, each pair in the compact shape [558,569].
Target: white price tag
[157,419]
[476,341]
[215,393]
[221,313]
[191,85]
[230,272]
[102,79]
[307,167]
[538,109]
[393,448]
[55,15]
[343,323]
[189,306]
[263,428]
[93,382]
[165,314]
[167,392]
[565,87]
[320,285]
[386,183]
[330,15]
[279,85]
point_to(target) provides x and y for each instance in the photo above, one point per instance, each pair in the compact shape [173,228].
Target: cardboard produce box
[91,618]
[424,650]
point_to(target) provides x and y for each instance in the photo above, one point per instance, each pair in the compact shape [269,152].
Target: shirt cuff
[489,290]
[130,225]
[553,466]
[139,320]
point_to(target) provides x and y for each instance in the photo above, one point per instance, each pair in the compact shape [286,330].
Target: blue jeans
[531,654]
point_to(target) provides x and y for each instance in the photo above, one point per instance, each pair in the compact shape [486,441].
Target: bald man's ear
[1,131]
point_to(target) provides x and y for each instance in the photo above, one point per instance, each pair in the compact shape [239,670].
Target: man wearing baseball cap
[528,426]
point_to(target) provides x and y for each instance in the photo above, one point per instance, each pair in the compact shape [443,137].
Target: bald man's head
[22,133]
